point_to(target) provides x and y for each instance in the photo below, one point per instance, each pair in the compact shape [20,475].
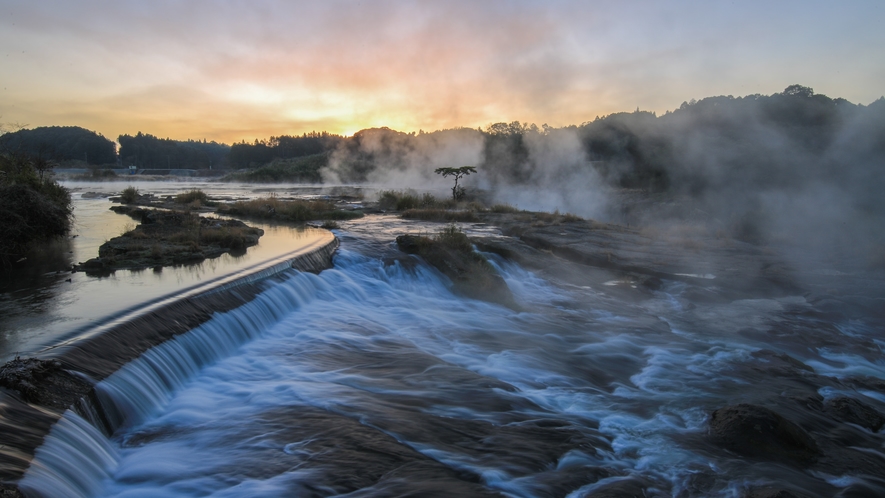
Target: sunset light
[231,71]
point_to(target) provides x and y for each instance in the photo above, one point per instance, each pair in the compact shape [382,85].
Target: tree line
[147,151]
[703,144]
[60,143]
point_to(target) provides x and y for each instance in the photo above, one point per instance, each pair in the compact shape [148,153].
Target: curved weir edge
[93,355]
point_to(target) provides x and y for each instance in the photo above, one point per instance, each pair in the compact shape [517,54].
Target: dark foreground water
[372,379]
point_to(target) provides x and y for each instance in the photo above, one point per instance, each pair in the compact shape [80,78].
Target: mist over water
[795,169]
[372,379]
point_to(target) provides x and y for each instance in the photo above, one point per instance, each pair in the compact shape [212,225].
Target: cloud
[410,65]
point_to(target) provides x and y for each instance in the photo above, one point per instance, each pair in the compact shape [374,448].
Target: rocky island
[166,238]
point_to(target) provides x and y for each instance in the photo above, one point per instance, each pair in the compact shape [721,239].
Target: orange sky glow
[231,71]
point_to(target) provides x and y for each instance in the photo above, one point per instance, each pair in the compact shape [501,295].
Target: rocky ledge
[452,254]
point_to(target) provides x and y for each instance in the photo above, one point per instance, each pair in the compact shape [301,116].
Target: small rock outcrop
[42,382]
[451,253]
[758,432]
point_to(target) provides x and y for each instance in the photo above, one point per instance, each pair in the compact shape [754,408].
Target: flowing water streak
[394,350]
[387,382]
[76,456]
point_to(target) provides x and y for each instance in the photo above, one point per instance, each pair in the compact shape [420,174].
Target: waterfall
[388,384]
[77,455]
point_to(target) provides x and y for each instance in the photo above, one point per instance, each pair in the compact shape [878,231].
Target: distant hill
[61,143]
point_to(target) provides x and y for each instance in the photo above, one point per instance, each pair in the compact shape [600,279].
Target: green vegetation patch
[33,208]
[298,211]
[451,252]
[166,238]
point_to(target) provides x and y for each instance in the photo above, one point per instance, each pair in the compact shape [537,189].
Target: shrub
[503,208]
[401,200]
[195,195]
[28,216]
[453,238]
[129,195]
[32,206]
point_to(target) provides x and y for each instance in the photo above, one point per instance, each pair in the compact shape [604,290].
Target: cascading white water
[73,461]
[76,456]
[388,384]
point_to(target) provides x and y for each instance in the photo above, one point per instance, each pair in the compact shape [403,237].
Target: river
[373,379]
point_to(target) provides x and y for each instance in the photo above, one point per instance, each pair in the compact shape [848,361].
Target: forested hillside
[147,151]
[61,143]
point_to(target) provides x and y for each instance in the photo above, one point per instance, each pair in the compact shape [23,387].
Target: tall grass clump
[503,208]
[191,196]
[129,195]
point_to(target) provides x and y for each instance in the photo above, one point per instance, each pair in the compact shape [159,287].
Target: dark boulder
[758,432]
[43,382]
[850,410]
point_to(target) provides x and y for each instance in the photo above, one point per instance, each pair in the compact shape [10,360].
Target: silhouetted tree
[457,173]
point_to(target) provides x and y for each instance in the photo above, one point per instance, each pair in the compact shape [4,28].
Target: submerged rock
[850,410]
[756,431]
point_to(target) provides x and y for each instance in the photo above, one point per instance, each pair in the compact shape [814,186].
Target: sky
[240,70]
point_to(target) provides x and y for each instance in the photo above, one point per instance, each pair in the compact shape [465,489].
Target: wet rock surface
[471,275]
[758,432]
[43,382]
[855,412]
[805,434]
[686,255]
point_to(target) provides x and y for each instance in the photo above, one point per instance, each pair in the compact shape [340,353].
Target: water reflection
[44,301]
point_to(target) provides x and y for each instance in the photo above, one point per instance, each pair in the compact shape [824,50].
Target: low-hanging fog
[793,168]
